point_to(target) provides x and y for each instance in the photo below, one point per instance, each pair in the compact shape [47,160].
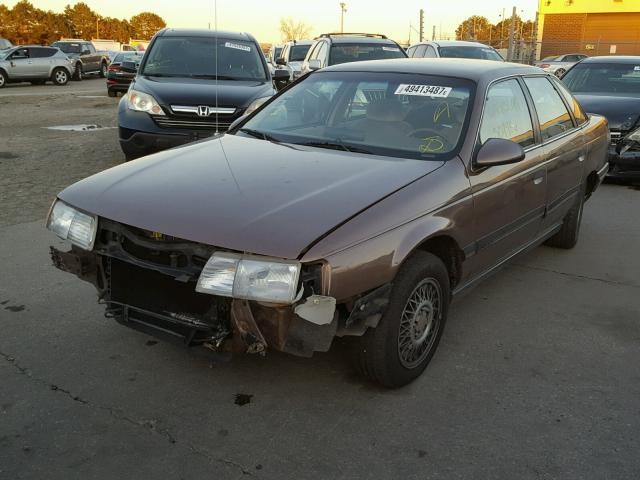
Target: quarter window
[506,114]
[553,115]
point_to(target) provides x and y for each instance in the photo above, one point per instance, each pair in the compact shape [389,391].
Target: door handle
[581,158]
[538,180]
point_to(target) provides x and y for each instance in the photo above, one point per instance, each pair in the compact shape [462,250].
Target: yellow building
[592,27]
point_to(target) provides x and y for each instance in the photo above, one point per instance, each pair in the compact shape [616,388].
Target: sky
[261,17]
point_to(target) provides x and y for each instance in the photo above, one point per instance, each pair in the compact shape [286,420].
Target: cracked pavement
[536,376]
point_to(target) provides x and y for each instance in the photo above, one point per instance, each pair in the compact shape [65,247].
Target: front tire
[60,77]
[560,72]
[103,70]
[3,79]
[398,350]
[567,236]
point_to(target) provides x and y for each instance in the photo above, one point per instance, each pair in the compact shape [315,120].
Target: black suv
[334,48]
[86,59]
[181,94]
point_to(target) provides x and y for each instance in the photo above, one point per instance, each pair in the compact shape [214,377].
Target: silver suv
[34,64]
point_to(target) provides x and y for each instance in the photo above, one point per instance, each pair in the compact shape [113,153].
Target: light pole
[343,9]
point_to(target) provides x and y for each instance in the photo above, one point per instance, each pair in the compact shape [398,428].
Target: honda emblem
[203,111]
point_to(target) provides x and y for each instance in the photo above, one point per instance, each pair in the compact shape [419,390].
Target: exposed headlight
[143,102]
[633,136]
[250,278]
[257,103]
[73,225]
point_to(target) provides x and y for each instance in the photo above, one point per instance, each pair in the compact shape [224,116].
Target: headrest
[385,111]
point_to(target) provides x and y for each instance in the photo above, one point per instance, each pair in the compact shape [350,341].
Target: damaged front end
[148,281]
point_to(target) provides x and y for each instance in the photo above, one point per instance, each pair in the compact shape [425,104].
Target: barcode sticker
[391,49]
[423,90]
[237,46]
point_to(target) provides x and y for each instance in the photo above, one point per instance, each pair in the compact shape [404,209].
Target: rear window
[354,52]
[609,78]
[128,57]
[480,53]
[68,47]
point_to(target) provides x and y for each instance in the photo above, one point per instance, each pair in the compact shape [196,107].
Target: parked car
[453,49]
[559,64]
[292,56]
[5,44]
[274,54]
[34,64]
[335,48]
[121,72]
[180,95]
[86,59]
[357,202]
[610,86]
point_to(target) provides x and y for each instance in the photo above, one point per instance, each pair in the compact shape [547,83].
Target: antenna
[215,34]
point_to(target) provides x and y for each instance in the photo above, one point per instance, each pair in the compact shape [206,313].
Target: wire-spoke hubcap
[419,323]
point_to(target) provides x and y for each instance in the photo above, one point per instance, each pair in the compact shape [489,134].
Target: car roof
[477,70]
[204,32]
[613,59]
[360,39]
[300,42]
[453,43]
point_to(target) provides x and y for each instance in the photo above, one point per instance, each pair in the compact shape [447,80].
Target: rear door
[40,58]
[563,145]
[509,200]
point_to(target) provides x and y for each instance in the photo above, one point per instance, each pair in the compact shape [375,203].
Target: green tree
[82,20]
[474,28]
[145,25]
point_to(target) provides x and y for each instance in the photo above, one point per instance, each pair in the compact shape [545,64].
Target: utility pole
[502,28]
[511,35]
[421,24]
[433,33]
[97,30]
[343,9]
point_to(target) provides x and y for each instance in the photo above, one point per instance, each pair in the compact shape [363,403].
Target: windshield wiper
[258,134]
[337,145]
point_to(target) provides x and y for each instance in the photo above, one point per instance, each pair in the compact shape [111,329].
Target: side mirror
[314,64]
[280,61]
[498,151]
[130,66]
[281,74]
[237,122]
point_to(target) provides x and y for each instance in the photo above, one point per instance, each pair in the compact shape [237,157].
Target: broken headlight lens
[250,278]
[73,225]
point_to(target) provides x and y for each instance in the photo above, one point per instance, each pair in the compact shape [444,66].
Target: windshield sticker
[423,90]
[431,145]
[237,46]
[636,68]
[391,49]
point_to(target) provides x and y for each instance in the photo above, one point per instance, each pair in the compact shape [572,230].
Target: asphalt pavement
[536,376]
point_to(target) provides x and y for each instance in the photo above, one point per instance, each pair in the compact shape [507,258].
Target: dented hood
[244,194]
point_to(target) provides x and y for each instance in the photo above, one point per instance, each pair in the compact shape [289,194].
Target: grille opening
[159,257]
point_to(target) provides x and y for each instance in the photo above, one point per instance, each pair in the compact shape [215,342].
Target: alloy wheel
[61,77]
[421,319]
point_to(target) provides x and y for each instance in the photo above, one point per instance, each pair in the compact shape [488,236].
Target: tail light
[114,68]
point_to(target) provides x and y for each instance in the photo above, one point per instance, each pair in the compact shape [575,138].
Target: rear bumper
[624,165]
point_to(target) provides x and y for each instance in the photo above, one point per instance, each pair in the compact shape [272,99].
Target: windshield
[67,47]
[353,52]
[402,115]
[481,53]
[610,78]
[128,57]
[298,52]
[196,57]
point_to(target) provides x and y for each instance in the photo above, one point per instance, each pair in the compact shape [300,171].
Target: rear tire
[398,350]
[59,77]
[3,79]
[103,70]
[567,236]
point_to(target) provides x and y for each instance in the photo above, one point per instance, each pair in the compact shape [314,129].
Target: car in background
[180,94]
[312,219]
[35,64]
[4,44]
[336,48]
[86,59]
[274,54]
[121,72]
[292,57]
[610,86]
[559,64]
[453,49]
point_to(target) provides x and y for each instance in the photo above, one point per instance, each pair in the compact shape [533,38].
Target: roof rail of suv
[353,34]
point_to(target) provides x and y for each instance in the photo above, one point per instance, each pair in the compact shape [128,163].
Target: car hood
[621,112]
[244,194]
[194,91]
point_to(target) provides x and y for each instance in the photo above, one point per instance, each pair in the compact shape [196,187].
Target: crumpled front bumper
[624,164]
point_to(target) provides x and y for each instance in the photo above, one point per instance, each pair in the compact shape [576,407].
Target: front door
[509,200]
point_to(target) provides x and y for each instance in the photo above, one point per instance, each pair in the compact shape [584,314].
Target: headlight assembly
[250,278]
[143,102]
[73,225]
[257,103]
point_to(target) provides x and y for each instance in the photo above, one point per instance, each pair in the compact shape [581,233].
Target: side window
[578,113]
[420,49]
[91,48]
[41,52]
[553,115]
[410,52]
[571,58]
[20,53]
[506,114]
[430,52]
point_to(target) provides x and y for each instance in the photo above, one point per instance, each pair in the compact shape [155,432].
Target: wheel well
[592,184]
[446,249]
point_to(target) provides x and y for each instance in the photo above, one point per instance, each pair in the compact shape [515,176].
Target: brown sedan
[357,202]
